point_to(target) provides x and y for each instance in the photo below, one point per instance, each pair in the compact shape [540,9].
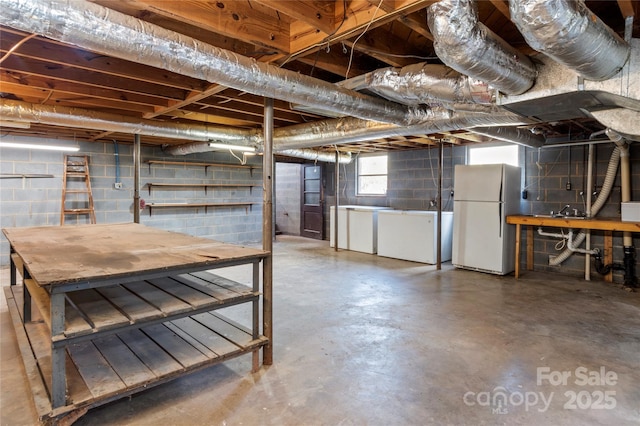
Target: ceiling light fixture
[226,146]
[37,146]
[15,124]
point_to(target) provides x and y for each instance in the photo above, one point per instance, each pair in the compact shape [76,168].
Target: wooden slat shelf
[123,308]
[246,205]
[151,185]
[202,164]
[92,311]
[119,364]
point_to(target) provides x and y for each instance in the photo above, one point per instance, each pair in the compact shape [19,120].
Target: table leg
[608,254]
[58,353]
[13,269]
[529,248]
[518,229]
[26,299]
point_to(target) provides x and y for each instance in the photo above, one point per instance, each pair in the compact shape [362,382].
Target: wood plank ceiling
[326,39]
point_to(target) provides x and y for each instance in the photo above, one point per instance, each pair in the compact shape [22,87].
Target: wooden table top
[67,254]
[603,224]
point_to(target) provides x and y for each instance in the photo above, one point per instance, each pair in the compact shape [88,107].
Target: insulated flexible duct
[96,28]
[87,119]
[512,134]
[465,44]
[609,178]
[424,83]
[568,32]
[307,135]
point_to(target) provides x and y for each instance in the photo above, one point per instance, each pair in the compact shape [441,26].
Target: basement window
[495,154]
[372,175]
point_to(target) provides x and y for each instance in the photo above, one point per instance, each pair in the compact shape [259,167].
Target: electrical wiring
[326,40]
[16,46]
[539,177]
[242,161]
[353,46]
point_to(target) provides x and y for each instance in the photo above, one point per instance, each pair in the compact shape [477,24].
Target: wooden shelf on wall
[150,185]
[246,205]
[202,164]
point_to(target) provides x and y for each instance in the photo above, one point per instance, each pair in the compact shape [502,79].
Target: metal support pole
[267,232]
[337,202]
[588,189]
[439,227]
[136,178]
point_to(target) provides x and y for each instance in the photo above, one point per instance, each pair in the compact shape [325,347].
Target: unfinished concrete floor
[361,339]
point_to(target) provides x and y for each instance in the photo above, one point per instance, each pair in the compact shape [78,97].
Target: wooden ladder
[76,167]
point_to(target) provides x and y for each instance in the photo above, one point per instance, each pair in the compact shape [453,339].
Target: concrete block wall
[412,180]
[288,198]
[547,172]
[37,201]
[412,183]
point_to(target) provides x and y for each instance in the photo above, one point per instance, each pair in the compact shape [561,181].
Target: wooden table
[124,307]
[608,225]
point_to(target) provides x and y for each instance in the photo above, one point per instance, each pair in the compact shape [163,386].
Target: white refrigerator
[483,197]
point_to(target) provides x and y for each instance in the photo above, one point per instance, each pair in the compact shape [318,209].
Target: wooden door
[311,216]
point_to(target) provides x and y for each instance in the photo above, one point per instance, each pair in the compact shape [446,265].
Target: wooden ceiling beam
[237,19]
[73,88]
[47,50]
[627,8]
[52,91]
[336,62]
[503,7]
[375,43]
[317,13]
[203,118]
[360,15]
[417,21]
[30,66]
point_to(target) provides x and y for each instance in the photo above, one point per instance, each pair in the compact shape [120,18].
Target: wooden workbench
[608,225]
[123,307]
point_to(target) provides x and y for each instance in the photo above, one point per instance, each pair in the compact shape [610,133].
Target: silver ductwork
[465,44]
[308,135]
[430,84]
[105,31]
[349,130]
[568,32]
[96,120]
[512,134]
[304,153]
[315,155]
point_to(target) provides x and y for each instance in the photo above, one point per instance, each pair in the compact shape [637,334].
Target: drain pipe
[630,279]
[570,241]
[609,178]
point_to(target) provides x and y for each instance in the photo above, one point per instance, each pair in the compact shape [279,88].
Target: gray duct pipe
[424,83]
[512,134]
[465,44]
[308,135]
[105,31]
[569,33]
[96,120]
[314,155]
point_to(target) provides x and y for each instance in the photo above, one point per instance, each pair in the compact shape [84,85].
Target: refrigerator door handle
[500,219]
